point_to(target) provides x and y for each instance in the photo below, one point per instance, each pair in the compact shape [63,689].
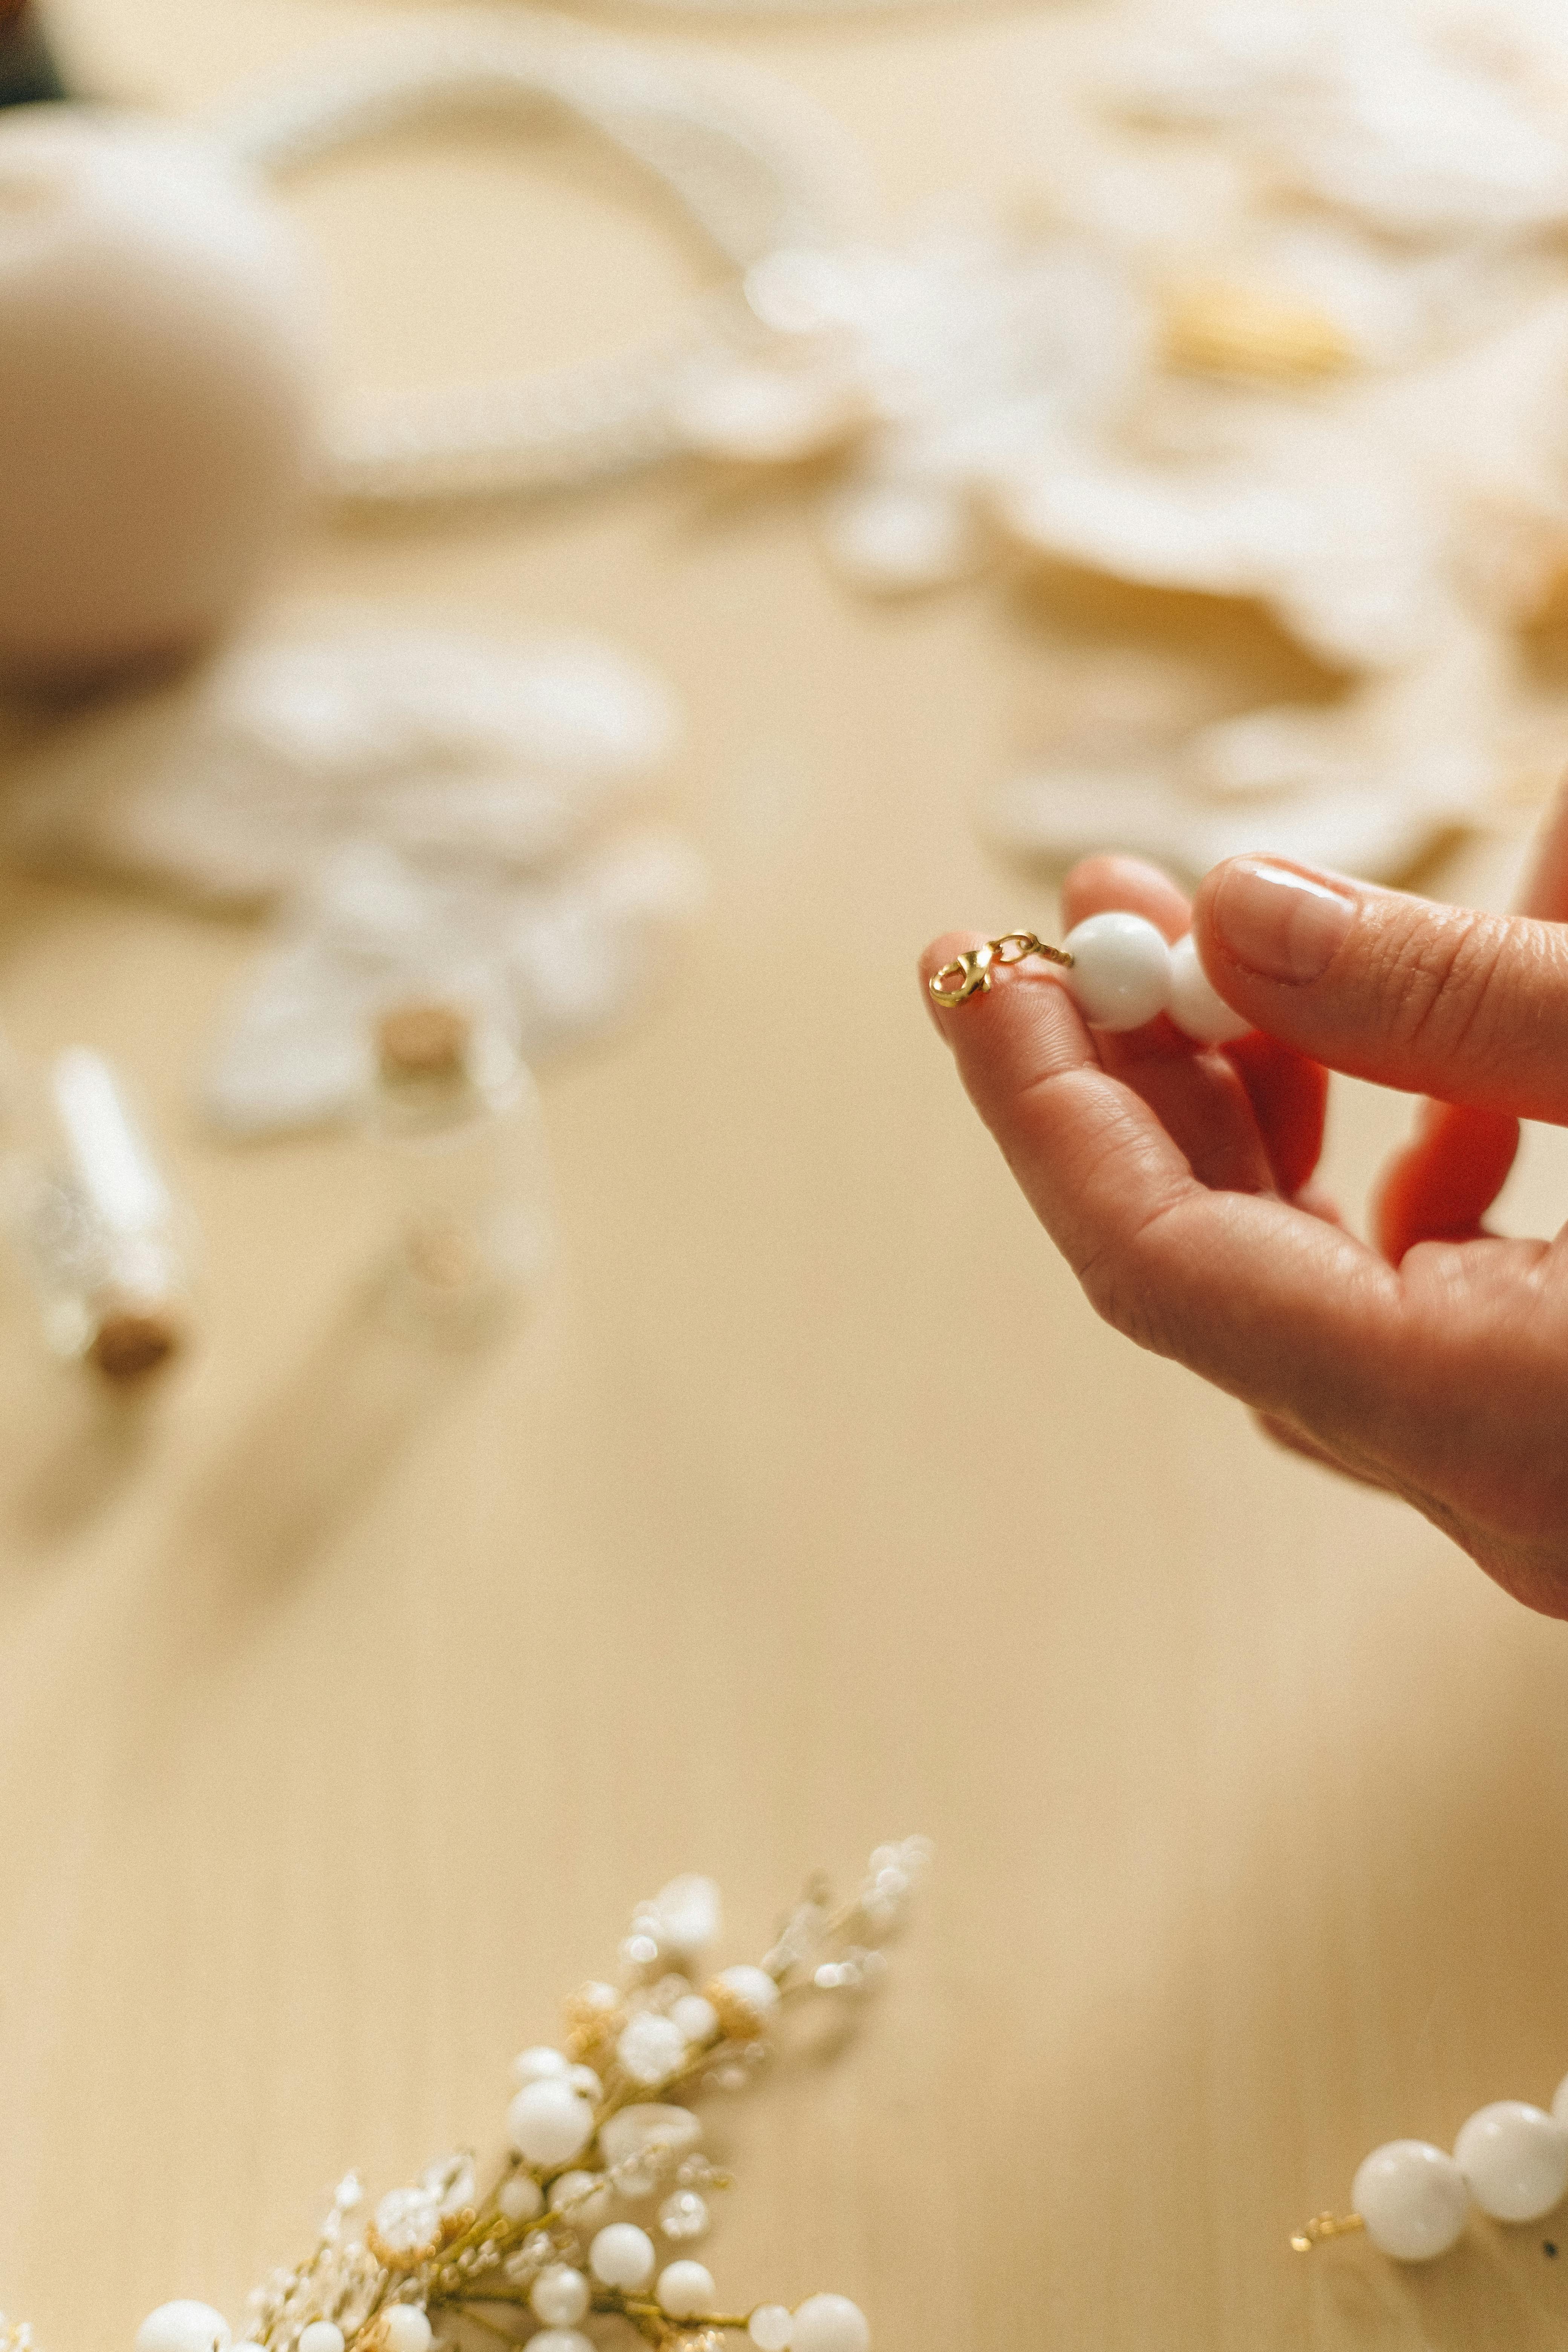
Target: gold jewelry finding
[1323,2226]
[969,973]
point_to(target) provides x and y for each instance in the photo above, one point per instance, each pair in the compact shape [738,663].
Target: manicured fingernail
[1279,924]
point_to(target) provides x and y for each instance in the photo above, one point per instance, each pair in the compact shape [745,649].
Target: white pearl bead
[547,2123]
[830,2323]
[771,2329]
[1515,2160]
[559,2339]
[586,2085]
[1196,1006]
[685,2290]
[539,2064]
[1120,974]
[1413,2198]
[322,2335]
[521,2199]
[755,1987]
[698,2019]
[406,2328]
[623,2256]
[183,2327]
[560,2295]
[651,2047]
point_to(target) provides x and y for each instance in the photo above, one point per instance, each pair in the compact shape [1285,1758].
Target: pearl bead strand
[1119,970]
[756,170]
[1412,2200]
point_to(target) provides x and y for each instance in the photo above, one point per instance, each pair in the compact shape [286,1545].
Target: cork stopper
[422,1041]
[1213,327]
[130,1342]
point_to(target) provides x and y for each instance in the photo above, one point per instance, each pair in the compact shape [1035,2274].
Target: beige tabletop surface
[349,1697]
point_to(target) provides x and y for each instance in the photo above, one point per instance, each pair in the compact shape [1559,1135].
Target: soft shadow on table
[72,1441]
[76,1443]
[72,1446]
[1500,2288]
[315,1451]
[283,1488]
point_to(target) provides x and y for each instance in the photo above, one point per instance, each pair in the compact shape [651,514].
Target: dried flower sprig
[597,2124]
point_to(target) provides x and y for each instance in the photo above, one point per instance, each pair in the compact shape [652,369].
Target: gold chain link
[969,974]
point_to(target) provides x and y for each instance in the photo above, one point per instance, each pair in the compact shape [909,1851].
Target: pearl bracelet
[1120,971]
[755,166]
[1510,2160]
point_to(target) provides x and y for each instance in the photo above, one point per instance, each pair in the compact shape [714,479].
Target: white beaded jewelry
[183,2327]
[1514,2160]
[559,2295]
[442,2248]
[753,165]
[1196,1006]
[685,2290]
[406,2328]
[1510,2160]
[547,2123]
[1118,969]
[830,2323]
[1412,2199]
[623,2256]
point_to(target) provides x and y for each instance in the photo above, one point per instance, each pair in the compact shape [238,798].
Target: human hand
[1178,1181]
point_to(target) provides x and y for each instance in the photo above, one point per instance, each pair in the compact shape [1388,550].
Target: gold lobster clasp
[967,975]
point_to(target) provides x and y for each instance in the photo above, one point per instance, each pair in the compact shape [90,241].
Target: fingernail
[1279,924]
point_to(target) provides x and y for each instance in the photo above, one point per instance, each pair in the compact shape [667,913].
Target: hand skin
[1177,1181]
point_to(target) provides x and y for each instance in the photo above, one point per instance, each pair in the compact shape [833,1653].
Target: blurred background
[358,1673]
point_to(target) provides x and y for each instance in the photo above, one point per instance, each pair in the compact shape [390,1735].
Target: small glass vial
[108,1248]
[457,1114]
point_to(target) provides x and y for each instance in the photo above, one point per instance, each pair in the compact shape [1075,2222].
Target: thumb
[1439,1000]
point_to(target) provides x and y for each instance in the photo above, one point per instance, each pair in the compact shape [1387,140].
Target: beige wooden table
[347,1701]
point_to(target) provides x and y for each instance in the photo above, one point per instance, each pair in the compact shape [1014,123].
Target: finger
[1196,1096]
[1285,1093]
[1284,1311]
[1441,1185]
[1437,1000]
[1289,1097]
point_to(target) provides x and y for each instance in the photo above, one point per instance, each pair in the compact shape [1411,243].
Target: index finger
[1294,1316]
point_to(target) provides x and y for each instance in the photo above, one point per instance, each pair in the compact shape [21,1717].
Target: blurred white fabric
[419,805]
[1292,330]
